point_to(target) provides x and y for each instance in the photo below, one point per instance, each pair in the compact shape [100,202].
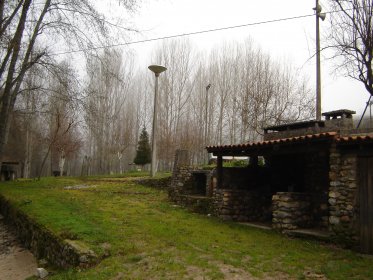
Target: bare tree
[61,137]
[174,97]
[60,126]
[200,111]
[249,90]
[26,29]
[109,110]
[351,37]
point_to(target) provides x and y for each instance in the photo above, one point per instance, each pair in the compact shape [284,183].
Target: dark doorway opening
[366,204]
[199,183]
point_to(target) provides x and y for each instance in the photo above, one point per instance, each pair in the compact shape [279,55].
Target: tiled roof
[355,139]
[297,139]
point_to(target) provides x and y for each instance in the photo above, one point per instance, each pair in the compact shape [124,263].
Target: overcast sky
[293,40]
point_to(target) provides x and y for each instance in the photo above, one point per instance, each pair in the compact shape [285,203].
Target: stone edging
[43,243]
[158,183]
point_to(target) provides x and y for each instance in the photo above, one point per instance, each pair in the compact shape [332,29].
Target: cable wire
[186,34]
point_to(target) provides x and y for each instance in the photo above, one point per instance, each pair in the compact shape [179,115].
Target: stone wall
[181,173]
[295,132]
[157,183]
[180,176]
[45,244]
[241,205]
[291,210]
[306,173]
[182,190]
[343,196]
[186,189]
[340,120]
[197,204]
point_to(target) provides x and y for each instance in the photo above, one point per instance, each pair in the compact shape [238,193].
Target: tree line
[57,116]
[93,126]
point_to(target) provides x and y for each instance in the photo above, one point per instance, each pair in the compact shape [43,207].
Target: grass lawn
[140,235]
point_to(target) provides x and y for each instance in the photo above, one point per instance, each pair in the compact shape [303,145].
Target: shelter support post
[254,160]
[219,174]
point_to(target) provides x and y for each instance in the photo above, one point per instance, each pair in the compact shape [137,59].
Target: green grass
[149,238]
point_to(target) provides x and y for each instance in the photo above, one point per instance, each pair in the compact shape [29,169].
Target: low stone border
[158,183]
[197,204]
[241,205]
[43,243]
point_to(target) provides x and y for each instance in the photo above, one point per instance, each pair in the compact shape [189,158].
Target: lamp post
[319,15]
[206,119]
[370,113]
[156,69]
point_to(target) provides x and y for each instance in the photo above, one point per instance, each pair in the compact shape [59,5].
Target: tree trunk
[6,100]
[12,83]
[61,163]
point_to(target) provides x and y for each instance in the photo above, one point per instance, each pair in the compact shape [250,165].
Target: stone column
[180,174]
[343,196]
[181,159]
[291,210]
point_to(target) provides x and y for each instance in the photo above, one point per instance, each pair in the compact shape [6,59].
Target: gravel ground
[16,263]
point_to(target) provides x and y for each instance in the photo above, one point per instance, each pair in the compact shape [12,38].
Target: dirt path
[16,263]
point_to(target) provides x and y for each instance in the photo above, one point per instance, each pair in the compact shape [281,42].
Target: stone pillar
[181,173]
[343,196]
[181,159]
[291,210]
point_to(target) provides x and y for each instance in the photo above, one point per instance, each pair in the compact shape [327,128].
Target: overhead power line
[185,34]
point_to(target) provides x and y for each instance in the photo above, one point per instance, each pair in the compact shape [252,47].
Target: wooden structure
[366,203]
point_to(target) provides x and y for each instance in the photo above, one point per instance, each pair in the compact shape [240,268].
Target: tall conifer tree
[143,152]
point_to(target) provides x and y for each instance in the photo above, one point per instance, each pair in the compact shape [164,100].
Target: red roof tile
[355,138]
[297,139]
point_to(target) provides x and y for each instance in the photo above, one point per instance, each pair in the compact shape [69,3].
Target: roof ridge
[321,135]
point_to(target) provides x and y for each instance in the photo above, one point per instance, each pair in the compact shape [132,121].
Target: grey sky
[292,40]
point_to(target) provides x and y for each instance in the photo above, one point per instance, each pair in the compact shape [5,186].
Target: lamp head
[157,69]
[322,16]
[317,9]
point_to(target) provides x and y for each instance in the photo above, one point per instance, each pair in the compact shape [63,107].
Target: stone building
[317,175]
[190,186]
[10,170]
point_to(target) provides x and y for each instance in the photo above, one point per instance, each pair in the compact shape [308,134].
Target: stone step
[257,225]
[309,233]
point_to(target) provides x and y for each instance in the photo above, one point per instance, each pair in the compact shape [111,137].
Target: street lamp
[156,69]
[318,9]
[370,114]
[206,119]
